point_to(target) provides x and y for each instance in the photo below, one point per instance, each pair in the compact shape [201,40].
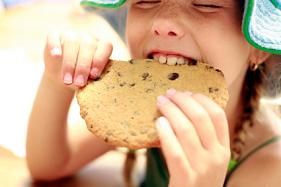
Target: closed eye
[147,3]
[206,6]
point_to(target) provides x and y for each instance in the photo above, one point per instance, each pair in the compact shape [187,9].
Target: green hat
[261,21]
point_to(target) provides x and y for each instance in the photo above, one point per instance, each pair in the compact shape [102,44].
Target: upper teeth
[170,59]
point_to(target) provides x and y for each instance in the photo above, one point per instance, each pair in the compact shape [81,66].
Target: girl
[197,136]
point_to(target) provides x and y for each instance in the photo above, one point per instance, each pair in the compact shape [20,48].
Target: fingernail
[171,92]
[162,122]
[188,93]
[162,100]
[67,79]
[56,51]
[95,72]
[79,81]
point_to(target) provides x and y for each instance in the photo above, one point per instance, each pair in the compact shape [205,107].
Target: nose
[167,28]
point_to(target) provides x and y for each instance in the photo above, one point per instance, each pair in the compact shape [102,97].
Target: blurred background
[24,25]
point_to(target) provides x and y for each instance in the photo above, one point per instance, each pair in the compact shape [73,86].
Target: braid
[251,93]
[128,168]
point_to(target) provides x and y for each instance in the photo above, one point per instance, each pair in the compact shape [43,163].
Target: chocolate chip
[192,63]
[173,76]
[119,74]
[122,84]
[145,75]
[132,84]
[106,139]
[131,61]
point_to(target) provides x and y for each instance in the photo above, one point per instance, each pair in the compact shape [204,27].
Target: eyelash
[147,2]
[207,6]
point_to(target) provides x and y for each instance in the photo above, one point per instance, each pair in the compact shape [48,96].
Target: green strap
[157,172]
[233,165]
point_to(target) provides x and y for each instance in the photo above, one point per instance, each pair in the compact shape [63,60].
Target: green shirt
[157,174]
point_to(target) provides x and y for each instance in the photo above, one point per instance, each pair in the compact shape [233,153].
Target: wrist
[57,86]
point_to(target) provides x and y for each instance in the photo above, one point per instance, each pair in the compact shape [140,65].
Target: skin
[191,28]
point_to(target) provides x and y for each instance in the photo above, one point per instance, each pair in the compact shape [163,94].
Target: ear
[258,56]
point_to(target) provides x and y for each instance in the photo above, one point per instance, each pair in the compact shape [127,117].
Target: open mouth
[170,59]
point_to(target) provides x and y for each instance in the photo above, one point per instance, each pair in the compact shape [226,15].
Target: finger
[70,53]
[218,117]
[182,127]
[101,57]
[197,115]
[84,62]
[54,44]
[177,163]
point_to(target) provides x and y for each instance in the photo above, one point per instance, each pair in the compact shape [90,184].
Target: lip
[166,52]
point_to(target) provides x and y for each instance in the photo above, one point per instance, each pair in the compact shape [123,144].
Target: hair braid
[251,93]
[128,168]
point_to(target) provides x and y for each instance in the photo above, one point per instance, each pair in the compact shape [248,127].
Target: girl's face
[208,30]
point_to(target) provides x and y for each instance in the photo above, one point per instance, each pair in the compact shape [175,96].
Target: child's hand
[194,139]
[72,58]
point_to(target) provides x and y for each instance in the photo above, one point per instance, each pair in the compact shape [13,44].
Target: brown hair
[251,94]
[128,168]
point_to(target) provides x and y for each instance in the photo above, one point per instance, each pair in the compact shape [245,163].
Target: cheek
[133,41]
[232,60]
[227,51]
[136,34]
